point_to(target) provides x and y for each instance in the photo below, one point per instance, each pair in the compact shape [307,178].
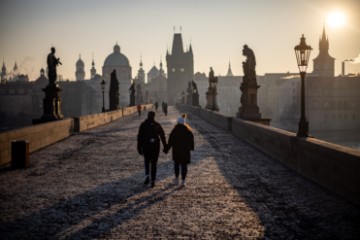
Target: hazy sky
[217,31]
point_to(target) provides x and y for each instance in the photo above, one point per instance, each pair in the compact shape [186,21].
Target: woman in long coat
[181,140]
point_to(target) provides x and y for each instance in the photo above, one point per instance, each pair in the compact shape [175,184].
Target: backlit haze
[144,29]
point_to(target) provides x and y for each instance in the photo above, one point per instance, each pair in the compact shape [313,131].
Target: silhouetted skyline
[217,31]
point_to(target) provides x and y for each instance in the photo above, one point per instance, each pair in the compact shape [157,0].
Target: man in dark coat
[148,144]
[181,140]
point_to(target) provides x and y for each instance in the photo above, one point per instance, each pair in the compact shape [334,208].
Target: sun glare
[336,19]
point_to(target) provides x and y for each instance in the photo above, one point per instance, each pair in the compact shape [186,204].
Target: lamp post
[302,52]
[103,90]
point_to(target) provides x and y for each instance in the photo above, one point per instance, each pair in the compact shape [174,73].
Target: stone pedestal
[211,102]
[249,108]
[51,104]
[189,99]
[195,99]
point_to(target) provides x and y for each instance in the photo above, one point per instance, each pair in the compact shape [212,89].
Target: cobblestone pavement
[90,186]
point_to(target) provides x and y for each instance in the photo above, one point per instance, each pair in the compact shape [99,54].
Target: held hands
[166,149]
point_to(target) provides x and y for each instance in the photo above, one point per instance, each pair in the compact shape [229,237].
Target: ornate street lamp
[302,52]
[103,90]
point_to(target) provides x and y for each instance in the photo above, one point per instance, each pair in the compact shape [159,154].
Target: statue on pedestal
[249,109]
[211,93]
[52,100]
[195,95]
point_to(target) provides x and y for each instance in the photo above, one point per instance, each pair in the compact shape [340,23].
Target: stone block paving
[90,186]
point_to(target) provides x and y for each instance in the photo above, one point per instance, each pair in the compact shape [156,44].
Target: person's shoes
[183,183]
[152,184]
[147,180]
[176,181]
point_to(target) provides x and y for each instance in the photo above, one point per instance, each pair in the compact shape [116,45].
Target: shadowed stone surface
[89,186]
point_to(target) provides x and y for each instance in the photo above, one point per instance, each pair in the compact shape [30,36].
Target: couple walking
[181,140]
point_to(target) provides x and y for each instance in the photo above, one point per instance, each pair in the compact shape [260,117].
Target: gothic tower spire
[324,64]
[15,69]
[3,73]
[229,73]
[3,69]
[180,69]
[324,43]
[177,47]
[93,69]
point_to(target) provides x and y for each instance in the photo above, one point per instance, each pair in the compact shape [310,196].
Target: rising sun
[336,19]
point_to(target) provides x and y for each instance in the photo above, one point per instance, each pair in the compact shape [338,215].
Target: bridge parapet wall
[332,166]
[84,123]
[216,119]
[42,135]
[39,136]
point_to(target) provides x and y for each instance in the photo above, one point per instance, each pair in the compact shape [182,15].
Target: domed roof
[116,58]
[42,80]
[80,62]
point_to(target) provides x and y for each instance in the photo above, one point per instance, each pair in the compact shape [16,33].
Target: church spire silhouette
[324,43]
[229,73]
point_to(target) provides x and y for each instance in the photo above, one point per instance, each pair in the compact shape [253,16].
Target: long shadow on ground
[288,205]
[90,214]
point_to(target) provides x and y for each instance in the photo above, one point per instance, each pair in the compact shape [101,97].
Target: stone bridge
[90,186]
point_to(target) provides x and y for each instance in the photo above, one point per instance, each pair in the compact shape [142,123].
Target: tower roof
[3,67]
[190,49]
[80,63]
[324,46]
[229,73]
[177,47]
[42,80]
[15,67]
[116,58]
[154,71]
[93,62]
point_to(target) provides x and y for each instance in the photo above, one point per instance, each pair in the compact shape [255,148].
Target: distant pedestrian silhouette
[165,108]
[148,144]
[156,106]
[181,140]
[139,109]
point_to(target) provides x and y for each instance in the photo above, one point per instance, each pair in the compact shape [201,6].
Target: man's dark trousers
[151,155]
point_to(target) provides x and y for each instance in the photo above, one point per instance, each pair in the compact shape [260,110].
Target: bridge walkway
[90,186]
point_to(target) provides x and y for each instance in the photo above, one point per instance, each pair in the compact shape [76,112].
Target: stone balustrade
[42,135]
[332,166]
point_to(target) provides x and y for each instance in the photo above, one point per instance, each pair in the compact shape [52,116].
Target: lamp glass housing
[103,84]
[302,53]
